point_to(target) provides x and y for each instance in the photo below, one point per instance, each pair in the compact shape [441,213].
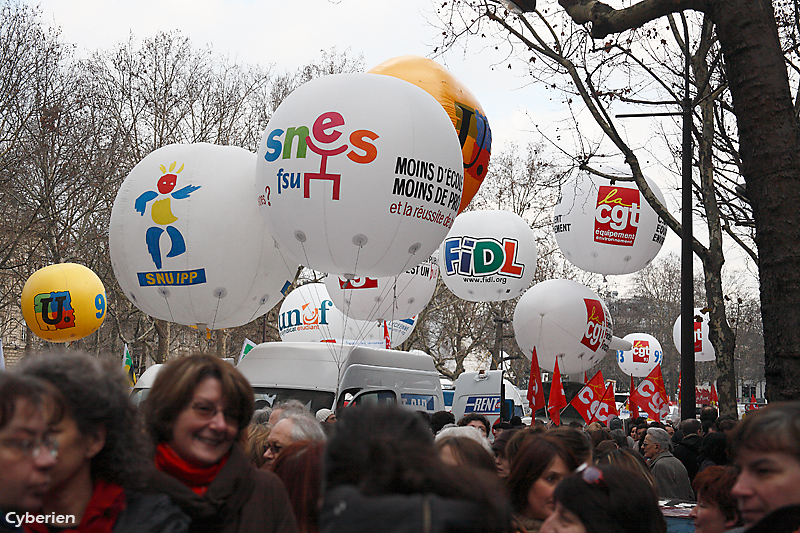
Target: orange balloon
[461,105]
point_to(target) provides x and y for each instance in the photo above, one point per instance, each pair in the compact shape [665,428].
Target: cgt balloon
[607,229]
[187,242]
[488,256]
[63,302]
[703,349]
[359,175]
[566,320]
[643,356]
[462,107]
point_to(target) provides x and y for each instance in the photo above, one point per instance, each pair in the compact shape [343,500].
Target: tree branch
[606,20]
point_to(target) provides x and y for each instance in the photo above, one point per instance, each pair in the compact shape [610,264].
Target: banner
[607,407]
[651,397]
[587,401]
[127,367]
[557,400]
[535,391]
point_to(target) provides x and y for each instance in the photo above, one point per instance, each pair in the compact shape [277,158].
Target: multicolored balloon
[461,105]
[63,302]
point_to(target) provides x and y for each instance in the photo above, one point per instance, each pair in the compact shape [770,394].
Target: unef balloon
[63,302]
[703,349]
[642,358]
[307,314]
[461,105]
[389,298]
[359,175]
[488,256]
[563,319]
[187,242]
[607,229]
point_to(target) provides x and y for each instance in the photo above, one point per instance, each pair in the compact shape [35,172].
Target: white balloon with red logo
[388,298]
[359,175]
[703,349]
[307,314]
[642,357]
[488,256]
[566,320]
[186,240]
[607,229]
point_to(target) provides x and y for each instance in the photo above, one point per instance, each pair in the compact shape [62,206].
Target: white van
[479,392]
[334,375]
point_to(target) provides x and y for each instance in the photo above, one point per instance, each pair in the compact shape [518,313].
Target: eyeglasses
[275,448]
[31,448]
[207,411]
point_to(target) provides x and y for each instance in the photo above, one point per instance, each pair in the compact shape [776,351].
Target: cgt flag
[607,407]
[651,396]
[557,400]
[535,391]
[587,401]
[634,411]
[127,367]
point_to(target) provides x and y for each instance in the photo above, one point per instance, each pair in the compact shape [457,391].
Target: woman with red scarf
[101,454]
[197,411]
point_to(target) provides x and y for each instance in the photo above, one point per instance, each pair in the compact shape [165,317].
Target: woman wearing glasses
[197,412]
[100,464]
[603,499]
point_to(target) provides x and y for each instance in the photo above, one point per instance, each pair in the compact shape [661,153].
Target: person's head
[641,431]
[464,451]
[27,453]
[501,462]
[199,405]
[261,416]
[476,420]
[765,446]
[440,419]
[691,426]
[299,466]
[708,414]
[715,448]
[284,408]
[293,428]
[257,442]
[726,423]
[715,511]
[537,468]
[655,442]
[614,422]
[576,442]
[325,416]
[630,460]
[602,499]
[619,437]
[101,435]
[499,427]
[669,429]
[518,440]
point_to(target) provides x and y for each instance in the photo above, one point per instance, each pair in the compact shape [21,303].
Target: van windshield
[314,400]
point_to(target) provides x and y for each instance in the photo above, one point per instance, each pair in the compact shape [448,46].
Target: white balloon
[564,319]
[642,358]
[703,349]
[186,239]
[607,229]
[360,174]
[488,256]
[619,344]
[387,298]
[307,314]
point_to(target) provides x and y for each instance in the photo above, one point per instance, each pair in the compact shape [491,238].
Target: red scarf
[197,478]
[108,501]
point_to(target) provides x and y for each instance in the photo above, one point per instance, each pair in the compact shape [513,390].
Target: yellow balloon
[63,302]
[461,105]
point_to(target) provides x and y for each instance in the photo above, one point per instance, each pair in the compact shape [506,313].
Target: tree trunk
[769,145]
[163,331]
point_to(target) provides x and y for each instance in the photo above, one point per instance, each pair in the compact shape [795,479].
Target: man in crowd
[688,449]
[672,481]
[293,428]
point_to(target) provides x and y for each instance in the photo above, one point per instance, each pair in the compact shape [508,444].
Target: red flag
[651,397]
[585,377]
[607,407]
[631,404]
[557,400]
[587,401]
[679,388]
[535,391]
[714,397]
[386,337]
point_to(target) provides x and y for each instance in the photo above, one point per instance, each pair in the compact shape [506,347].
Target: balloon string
[214,321]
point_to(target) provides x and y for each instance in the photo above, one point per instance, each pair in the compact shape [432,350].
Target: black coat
[687,453]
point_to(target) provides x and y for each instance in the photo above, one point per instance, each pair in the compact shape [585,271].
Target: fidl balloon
[359,175]
[703,349]
[488,256]
[307,314]
[461,105]
[563,319]
[187,242]
[642,358]
[63,302]
[607,229]
[388,298]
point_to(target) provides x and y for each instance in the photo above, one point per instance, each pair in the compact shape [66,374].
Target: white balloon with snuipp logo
[187,242]
[359,175]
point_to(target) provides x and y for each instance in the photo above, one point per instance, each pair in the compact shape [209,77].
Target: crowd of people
[76,455]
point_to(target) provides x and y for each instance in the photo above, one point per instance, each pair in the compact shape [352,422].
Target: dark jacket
[687,452]
[672,481]
[150,513]
[239,499]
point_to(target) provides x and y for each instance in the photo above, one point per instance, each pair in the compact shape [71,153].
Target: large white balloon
[488,256]
[360,174]
[703,349]
[387,298]
[187,242]
[607,229]
[307,314]
[564,319]
[642,358]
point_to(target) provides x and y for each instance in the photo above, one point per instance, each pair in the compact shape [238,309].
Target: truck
[479,392]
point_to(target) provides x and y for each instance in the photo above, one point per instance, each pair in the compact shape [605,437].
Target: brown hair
[174,387]
[776,428]
[713,485]
[630,460]
[468,452]
[255,443]
[299,465]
